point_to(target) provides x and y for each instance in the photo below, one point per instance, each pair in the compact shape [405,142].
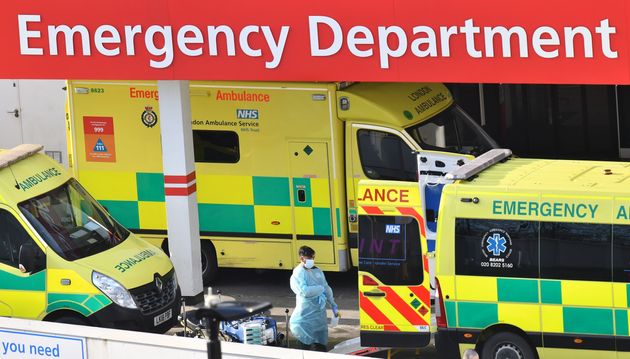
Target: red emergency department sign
[534,41]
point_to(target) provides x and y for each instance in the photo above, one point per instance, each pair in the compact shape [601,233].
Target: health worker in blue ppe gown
[308,322]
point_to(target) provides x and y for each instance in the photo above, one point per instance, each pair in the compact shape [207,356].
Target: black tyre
[71,320]
[507,346]
[209,267]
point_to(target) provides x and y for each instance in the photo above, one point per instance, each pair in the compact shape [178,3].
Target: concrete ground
[273,286]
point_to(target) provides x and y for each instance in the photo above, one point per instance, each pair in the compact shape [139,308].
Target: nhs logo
[242,114]
[392,228]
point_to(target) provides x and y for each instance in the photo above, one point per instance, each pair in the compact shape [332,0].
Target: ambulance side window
[576,251]
[386,156]
[621,253]
[12,236]
[496,248]
[216,146]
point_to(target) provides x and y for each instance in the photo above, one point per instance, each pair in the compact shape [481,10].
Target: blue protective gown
[308,322]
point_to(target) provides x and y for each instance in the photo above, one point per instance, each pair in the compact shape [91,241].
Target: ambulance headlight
[113,290]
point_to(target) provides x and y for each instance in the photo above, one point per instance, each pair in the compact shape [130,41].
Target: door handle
[15,113]
[374,294]
[301,193]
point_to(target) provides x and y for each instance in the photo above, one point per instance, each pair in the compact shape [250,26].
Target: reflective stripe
[412,212]
[409,307]
[372,210]
[422,293]
[377,316]
[425,260]
[403,308]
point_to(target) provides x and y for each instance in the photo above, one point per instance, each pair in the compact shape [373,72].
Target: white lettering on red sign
[545,40]
[164,42]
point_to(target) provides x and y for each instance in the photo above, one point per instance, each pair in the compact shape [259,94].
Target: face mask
[309,263]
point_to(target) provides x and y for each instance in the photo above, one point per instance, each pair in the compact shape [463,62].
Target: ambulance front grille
[151,300]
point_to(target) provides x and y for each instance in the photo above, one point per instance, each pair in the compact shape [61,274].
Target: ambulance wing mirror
[31,260]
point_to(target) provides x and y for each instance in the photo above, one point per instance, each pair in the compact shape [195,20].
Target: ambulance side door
[22,295]
[378,153]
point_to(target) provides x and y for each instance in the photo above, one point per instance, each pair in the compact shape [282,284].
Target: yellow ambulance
[277,164]
[533,258]
[63,258]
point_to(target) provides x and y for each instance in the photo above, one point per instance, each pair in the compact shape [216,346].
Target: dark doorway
[549,121]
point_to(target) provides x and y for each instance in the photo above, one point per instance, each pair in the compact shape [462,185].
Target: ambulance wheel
[507,345]
[209,267]
[71,320]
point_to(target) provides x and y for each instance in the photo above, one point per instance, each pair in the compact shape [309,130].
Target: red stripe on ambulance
[422,293]
[402,307]
[372,210]
[377,316]
[412,212]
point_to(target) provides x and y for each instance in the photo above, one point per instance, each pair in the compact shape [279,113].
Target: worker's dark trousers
[315,346]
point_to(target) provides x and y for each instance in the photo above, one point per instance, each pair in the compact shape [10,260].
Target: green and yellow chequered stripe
[239,204]
[550,306]
[35,282]
[86,304]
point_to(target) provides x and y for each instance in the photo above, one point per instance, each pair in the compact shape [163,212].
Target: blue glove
[335,310]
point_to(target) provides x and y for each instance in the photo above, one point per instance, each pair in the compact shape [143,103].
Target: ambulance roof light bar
[479,164]
[18,153]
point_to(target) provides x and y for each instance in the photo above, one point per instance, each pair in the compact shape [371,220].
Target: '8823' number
[97,90]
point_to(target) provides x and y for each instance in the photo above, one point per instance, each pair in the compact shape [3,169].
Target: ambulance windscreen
[389,249]
[452,130]
[72,223]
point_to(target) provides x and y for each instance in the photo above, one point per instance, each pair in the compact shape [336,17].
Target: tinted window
[496,248]
[621,253]
[386,156]
[216,146]
[624,116]
[453,131]
[72,223]
[575,251]
[389,248]
[12,236]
